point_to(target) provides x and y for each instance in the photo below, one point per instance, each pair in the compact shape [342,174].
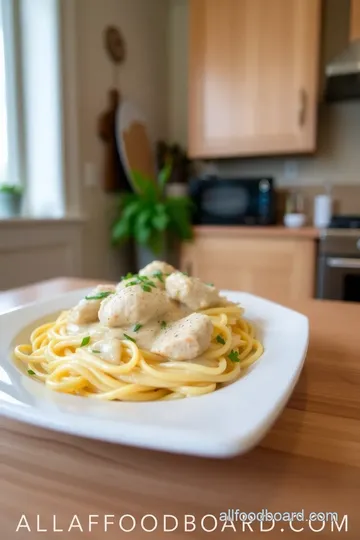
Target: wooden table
[310,460]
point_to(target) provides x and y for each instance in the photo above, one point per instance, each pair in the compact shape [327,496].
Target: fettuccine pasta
[182,352]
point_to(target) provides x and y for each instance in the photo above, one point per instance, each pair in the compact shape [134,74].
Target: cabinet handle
[334,262]
[302,107]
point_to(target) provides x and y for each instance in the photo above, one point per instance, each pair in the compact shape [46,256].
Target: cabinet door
[253,76]
[281,269]
[355,20]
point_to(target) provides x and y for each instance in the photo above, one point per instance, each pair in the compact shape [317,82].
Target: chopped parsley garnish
[185,274]
[220,339]
[210,284]
[96,352]
[143,281]
[31,372]
[163,325]
[159,276]
[146,280]
[234,356]
[130,338]
[99,296]
[131,283]
[128,276]
[137,327]
[85,341]
[146,288]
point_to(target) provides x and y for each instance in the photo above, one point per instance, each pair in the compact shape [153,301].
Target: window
[3,118]
[8,108]
[31,152]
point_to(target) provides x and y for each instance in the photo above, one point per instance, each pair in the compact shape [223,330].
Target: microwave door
[236,201]
[225,204]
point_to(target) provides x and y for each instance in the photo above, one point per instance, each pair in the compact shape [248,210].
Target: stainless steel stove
[338,272]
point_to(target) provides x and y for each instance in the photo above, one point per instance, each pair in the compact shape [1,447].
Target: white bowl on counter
[294,221]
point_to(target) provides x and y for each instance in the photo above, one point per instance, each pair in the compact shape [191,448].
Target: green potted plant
[156,222]
[10,200]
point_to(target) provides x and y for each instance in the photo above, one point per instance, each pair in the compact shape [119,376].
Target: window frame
[69,202]
[14,173]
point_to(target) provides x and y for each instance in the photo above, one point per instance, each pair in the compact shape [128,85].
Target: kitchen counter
[275,231]
[309,460]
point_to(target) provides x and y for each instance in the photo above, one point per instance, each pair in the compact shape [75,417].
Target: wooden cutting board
[136,149]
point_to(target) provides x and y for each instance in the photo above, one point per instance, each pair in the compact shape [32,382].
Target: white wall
[34,250]
[142,79]
[178,67]
[337,159]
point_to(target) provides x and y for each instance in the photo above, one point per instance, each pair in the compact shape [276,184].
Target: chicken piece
[133,305]
[86,311]
[157,271]
[192,292]
[156,266]
[124,283]
[185,339]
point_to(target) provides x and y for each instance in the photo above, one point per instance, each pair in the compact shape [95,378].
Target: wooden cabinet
[355,20]
[253,76]
[275,266]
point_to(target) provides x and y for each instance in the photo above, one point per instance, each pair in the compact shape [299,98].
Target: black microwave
[235,201]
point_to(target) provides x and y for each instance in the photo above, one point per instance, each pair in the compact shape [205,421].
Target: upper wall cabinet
[355,20]
[253,81]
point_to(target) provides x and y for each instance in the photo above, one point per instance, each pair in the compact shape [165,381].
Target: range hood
[343,73]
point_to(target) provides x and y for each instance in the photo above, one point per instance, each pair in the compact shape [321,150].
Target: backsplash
[336,162]
[346,200]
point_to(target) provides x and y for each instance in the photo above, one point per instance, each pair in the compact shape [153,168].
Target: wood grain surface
[273,231]
[355,20]
[253,77]
[278,267]
[309,461]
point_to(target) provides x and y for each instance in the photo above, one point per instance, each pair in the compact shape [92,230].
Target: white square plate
[227,422]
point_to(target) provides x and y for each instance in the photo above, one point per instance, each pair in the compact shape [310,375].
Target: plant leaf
[165,174]
[145,186]
[146,215]
[156,242]
[179,211]
[120,231]
[161,219]
[11,189]
[131,209]
[142,226]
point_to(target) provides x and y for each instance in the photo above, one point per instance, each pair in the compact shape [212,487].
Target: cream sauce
[156,320]
[102,336]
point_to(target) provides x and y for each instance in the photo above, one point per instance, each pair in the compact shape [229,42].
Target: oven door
[339,278]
